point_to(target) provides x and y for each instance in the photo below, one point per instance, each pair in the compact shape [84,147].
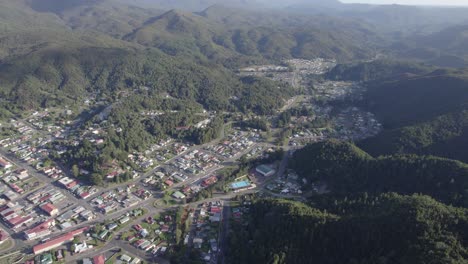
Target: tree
[97,179]
[75,170]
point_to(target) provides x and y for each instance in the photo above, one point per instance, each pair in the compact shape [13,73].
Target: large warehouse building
[265,170]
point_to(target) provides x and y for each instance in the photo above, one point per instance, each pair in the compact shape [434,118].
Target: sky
[411,2]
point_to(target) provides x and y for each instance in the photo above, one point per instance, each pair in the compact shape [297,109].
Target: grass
[113,259]
[6,245]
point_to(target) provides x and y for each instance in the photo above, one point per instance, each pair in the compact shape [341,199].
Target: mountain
[189,5]
[54,53]
[444,136]
[424,114]
[347,169]
[443,46]
[376,70]
[215,37]
[406,101]
[386,228]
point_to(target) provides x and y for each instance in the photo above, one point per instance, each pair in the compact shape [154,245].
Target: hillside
[424,115]
[376,70]
[444,47]
[444,136]
[215,37]
[52,77]
[62,50]
[386,228]
[347,169]
[399,102]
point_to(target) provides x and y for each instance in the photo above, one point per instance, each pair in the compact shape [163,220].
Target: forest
[421,114]
[380,69]
[347,169]
[364,229]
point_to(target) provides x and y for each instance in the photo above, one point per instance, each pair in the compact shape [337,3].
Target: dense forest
[443,136]
[424,115]
[399,102]
[347,169]
[376,70]
[386,228]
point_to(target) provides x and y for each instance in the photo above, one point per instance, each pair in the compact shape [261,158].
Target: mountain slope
[407,101]
[425,115]
[376,70]
[347,169]
[386,228]
[214,37]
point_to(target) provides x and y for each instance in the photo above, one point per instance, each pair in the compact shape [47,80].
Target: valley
[153,131]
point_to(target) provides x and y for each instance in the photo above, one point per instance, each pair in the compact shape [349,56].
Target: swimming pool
[240,184]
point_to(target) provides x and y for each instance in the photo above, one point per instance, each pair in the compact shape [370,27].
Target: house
[67,182]
[46,259]
[178,195]
[124,220]
[87,261]
[80,248]
[169,183]
[112,226]
[5,164]
[197,242]
[22,174]
[215,210]
[144,233]
[135,261]
[215,217]
[59,254]
[103,234]
[50,209]
[209,181]
[214,245]
[41,230]
[99,259]
[125,258]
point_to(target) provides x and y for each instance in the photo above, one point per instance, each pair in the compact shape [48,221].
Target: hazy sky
[411,2]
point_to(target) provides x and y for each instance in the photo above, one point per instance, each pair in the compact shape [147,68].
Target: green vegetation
[408,101]
[263,96]
[376,70]
[348,169]
[255,123]
[444,136]
[425,115]
[386,228]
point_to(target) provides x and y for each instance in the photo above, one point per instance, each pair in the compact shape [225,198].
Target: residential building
[99,259]
[5,164]
[39,231]
[50,209]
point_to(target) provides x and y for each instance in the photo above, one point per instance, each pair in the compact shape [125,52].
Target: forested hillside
[347,169]
[444,136]
[207,35]
[423,114]
[386,228]
[62,51]
[47,78]
[421,98]
[376,70]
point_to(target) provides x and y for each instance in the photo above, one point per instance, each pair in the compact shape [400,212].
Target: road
[43,178]
[147,204]
[223,234]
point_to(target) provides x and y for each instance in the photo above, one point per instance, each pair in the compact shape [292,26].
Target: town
[174,193]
